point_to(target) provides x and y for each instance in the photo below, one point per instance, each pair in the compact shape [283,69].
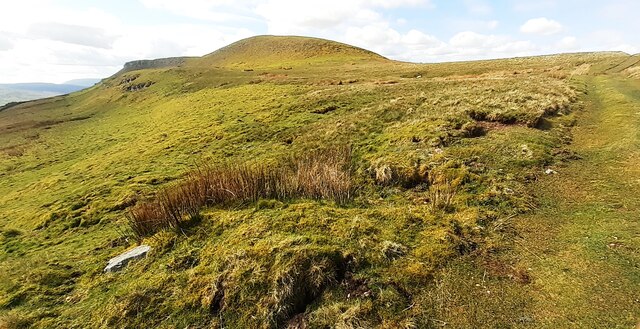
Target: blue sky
[55,41]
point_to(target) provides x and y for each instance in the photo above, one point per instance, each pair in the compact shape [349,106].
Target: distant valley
[20,92]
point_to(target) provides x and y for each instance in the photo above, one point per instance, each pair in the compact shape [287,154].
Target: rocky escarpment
[153,63]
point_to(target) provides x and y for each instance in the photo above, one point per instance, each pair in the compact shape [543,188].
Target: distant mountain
[82,82]
[8,95]
[18,92]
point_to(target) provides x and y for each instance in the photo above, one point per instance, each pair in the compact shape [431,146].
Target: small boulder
[119,262]
[549,171]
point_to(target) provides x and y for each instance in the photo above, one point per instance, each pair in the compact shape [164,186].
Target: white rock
[119,262]
[549,171]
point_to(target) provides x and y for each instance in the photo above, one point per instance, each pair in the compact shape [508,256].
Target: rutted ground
[575,261]
[475,134]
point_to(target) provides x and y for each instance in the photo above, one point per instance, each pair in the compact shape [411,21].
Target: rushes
[444,183]
[324,174]
[320,175]
[441,195]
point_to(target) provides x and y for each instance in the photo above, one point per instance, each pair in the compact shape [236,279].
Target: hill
[297,182]
[282,50]
[82,82]
[153,64]
[18,92]
[10,95]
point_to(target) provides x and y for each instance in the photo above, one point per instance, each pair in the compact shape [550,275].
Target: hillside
[276,51]
[341,189]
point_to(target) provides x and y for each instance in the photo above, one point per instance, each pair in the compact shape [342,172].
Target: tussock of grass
[279,261]
[321,175]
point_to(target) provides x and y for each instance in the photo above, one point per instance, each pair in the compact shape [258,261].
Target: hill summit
[267,50]
[289,182]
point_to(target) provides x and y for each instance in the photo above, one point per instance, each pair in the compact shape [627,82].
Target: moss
[11,233]
[270,262]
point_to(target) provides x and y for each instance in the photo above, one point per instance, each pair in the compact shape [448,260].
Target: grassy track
[476,134]
[582,247]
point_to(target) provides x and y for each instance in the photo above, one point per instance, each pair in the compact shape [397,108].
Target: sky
[59,40]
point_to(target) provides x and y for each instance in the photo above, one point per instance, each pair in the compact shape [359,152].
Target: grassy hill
[442,159]
[279,51]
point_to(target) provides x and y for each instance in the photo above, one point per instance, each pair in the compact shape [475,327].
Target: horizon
[441,62]
[72,39]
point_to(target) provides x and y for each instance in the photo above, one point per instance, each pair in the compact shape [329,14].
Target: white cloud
[283,17]
[609,39]
[291,17]
[47,60]
[75,34]
[5,43]
[212,10]
[492,25]
[314,13]
[627,48]
[606,37]
[568,43]
[541,26]
[395,3]
[471,44]
[45,40]
[360,23]
[57,43]
[515,48]
[34,59]
[176,40]
[534,6]
[478,7]
[415,37]
[469,39]
[476,25]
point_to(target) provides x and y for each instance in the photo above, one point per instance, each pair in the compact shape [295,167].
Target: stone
[550,171]
[525,151]
[119,262]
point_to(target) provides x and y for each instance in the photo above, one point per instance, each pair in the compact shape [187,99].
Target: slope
[265,51]
[624,65]
[71,167]
[573,262]
[586,235]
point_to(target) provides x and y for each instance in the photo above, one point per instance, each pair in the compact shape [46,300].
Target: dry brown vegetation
[445,155]
[321,175]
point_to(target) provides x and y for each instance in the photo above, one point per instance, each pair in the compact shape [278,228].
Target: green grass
[587,271]
[579,249]
[389,258]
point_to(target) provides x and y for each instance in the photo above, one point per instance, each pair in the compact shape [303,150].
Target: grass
[591,247]
[574,261]
[321,175]
[283,53]
[390,257]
